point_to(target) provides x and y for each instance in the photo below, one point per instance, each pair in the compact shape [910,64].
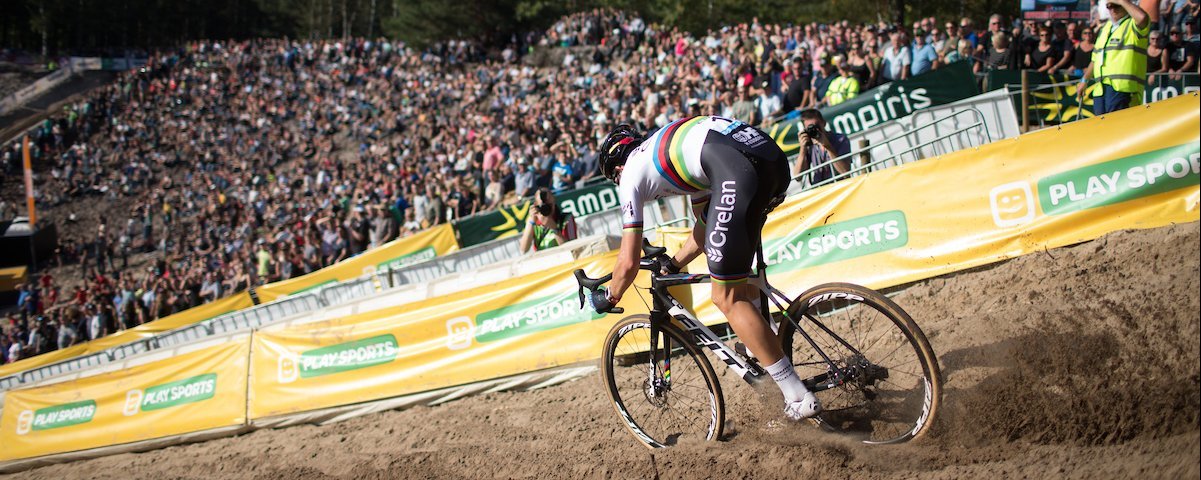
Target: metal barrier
[238,321]
[351,289]
[945,139]
[1061,96]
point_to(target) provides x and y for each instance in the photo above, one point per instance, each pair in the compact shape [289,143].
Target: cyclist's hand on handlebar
[600,301]
[667,265]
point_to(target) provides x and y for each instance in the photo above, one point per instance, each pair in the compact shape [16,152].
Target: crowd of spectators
[233,164]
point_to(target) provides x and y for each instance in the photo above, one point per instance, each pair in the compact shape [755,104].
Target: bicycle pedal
[741,350]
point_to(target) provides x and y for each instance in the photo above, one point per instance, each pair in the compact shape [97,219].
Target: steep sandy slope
[1079,362]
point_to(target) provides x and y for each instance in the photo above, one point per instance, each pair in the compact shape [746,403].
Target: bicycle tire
[693,408]
[897,408]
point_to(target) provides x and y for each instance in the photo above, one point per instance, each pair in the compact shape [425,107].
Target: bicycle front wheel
[666,394]
[884,386]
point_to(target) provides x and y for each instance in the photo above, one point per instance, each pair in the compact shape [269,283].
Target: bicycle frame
[666,307]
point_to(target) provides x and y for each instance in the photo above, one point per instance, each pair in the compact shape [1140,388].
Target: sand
[1079,362]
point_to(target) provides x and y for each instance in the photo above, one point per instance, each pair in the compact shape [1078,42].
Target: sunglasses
[1114,7]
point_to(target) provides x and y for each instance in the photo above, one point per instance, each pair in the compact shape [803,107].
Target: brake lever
[592,284]
[579,279]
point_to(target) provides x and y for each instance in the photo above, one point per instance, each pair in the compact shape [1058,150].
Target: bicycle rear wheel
[667,399]
[887,385]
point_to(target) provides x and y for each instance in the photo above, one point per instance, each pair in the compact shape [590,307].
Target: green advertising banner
[887,102]
[508,221]
[1053,97]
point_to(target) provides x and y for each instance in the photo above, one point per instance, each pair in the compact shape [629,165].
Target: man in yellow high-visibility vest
[843,88]
[1119,60]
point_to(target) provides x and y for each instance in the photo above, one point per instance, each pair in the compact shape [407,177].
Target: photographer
[548,225]
[818,148]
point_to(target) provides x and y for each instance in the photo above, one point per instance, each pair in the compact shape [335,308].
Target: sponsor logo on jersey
[725,208]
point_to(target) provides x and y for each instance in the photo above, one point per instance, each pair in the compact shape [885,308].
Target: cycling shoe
[807,407]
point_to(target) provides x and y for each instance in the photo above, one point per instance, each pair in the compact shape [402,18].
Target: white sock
[790,383]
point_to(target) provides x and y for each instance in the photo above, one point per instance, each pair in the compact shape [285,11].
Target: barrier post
[865,157]
[1025,101]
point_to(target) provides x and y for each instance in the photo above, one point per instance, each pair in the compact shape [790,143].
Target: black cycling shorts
[748,175]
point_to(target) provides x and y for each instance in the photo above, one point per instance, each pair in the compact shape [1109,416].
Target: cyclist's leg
[735,220]
[742,192]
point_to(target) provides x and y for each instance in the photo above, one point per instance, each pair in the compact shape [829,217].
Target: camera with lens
[813,131]
[544,206]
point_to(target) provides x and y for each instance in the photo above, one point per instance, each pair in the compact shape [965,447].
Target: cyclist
[735,174]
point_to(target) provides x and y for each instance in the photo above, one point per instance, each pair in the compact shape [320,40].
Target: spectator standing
[844,87]
[1082,55]
[818,151]
[1181,55]
[744,107]
[768,102]
[1157,56]
[1001,56]
[821,83]
[13,352]
[523,179]
[1119,63]
[66,334]
[796,82]
[897,58]
[494,191]
[925,57]
[1045,55]
[383,225]
[262,258]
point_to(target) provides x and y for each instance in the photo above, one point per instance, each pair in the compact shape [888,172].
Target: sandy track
[1080,362]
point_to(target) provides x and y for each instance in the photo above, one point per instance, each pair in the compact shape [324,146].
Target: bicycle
[865,390]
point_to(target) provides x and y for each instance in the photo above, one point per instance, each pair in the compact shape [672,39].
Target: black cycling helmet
[617,146]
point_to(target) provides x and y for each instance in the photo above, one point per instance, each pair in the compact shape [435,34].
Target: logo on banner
[188,390]
[459,331]
[1121,180]
[362,353]
[427,253]
[133,402]
[536,315]
[288,370]
[839,241]
[1012,204]
[58,416]
[24,422]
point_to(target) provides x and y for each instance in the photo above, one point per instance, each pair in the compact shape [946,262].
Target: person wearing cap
[925,57]
[844,87]
[1119,62]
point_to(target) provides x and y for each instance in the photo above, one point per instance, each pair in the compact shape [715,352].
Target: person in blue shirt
[563,174]
[924,56]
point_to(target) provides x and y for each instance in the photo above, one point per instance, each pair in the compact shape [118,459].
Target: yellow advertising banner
[521,325]
[187,317]
[1137,168]
[433,242]
[192,392]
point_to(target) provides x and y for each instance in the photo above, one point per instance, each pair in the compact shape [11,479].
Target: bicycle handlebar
[650,252]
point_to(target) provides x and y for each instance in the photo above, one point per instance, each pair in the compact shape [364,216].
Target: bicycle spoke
[854,330]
